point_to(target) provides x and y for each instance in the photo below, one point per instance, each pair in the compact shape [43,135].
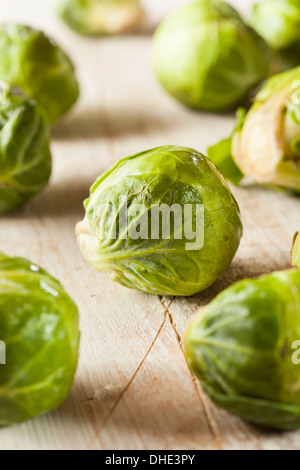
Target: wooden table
[133,389]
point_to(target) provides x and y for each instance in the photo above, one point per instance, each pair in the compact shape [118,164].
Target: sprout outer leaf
[206,57]
[221,153]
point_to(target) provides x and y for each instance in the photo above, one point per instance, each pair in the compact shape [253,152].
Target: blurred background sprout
[36,64]
[206,56]
[265,144]
[296,251]
[25,158]
[39,327]
[167,177]
[100,17]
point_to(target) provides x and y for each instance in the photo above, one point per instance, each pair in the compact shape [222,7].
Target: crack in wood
[122,394]
[208,416]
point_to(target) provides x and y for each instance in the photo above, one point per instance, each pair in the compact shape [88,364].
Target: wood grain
[133,389]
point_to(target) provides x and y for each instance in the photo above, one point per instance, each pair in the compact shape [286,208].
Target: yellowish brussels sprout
[265,144]
[39,336]
[100,17]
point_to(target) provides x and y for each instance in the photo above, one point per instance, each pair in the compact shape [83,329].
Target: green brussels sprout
[100,17]
[242,349]
[277,21]
[296,251]
[39,330]
[36,64]
[25,158]
[206,56]
[162,221]
[265,145]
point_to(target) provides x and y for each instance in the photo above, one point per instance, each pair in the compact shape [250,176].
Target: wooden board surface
[133,389]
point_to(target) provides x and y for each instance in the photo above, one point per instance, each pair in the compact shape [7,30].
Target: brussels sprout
[162,221]
[242,349]
[25,159]
[33,62]
[266,142]
[208,58]
[39,328]
[296,251]
[278,22]
[100,17]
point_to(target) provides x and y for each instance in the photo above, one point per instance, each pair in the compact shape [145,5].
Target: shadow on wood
[57,200]
[94,124]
